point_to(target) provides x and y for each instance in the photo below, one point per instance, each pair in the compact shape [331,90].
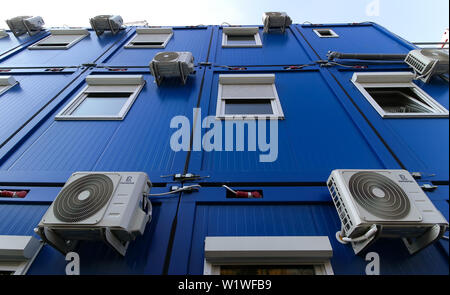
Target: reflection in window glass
[241,39]
[399,100]
[248,106]
[101,104]
[267,270]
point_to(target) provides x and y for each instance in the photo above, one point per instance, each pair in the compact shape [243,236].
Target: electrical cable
[184,188]
[366,236]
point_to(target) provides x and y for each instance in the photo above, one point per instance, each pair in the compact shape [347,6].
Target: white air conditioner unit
[384,203]
[102,23]
[3,34]
[109,206]
[276,20]
[172,64]
[25,24]
[428,62]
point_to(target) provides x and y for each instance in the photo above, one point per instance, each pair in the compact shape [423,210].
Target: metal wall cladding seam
[141,142]
[426,139]
[192,40]
[10,42]
[316,136]
[277,49]
[22,101]
[301,219]
[365,38]
[85,51]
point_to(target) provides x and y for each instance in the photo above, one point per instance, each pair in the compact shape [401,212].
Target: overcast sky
[414,20]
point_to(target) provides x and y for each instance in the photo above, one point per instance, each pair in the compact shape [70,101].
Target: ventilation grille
[83,198]
[415,63]
[379,195]
[337,200]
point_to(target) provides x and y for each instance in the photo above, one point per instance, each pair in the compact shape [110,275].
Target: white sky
[415,20]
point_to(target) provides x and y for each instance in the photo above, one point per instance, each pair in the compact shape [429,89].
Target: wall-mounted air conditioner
[102,23]
[384,203]
[109,206]
[3,34]
[428,62]
[276,20]
[25,24]
[172,64]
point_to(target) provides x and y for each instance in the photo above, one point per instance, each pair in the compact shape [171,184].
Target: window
[104,98]
[150,38]
[17,253]
[61,39]
[248,97]
[6,82]
[325,33]
[287,255]
[241,37]
[394,95]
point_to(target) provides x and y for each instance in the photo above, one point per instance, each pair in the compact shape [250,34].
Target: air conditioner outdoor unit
[428,62]
[25,24]
[384,203]
[276,20]
[109,206]
[102,23]
[3,34]
[172,64]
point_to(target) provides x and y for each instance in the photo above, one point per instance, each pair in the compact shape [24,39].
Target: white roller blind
[248,91]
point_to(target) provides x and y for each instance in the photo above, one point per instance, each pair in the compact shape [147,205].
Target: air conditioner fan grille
[83,198]
[379,195]
[166,56]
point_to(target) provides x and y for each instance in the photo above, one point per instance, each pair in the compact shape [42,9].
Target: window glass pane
[267,270]
[101,104]
[241,39]
[248,106]
[52,44]
[325,33]
[399,100]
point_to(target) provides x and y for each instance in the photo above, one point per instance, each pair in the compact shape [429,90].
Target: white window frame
[333,33]
[248,79]
[6,82]
[78,35]
[396,80]
[268,250]
[104,84]
[149,32]
[17,253]
[241,31]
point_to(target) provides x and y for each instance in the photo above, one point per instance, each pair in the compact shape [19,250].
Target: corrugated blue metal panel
[22,101]
[318,134]
[85,51]
[195,40]
[287,211]
[421,143]
[357,38]
[277,49]
[11,42]
[141,142]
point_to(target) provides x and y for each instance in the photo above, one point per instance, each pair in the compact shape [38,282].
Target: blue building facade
[328,124]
